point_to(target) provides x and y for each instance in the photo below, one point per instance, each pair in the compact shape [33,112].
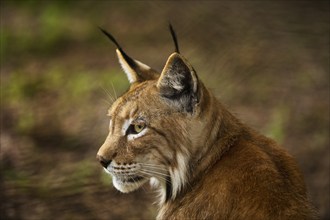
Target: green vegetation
[60,90]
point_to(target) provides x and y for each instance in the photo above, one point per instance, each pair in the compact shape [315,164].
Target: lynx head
[153,126]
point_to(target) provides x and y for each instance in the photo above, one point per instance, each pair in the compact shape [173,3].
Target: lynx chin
[170,130]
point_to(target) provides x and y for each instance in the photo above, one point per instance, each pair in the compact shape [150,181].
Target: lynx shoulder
[170,130]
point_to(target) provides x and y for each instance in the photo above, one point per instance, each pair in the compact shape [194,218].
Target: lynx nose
[104,162]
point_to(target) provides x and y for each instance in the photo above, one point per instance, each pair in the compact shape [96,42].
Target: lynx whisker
[109,95]
[156,168]
[160,167]
[106,101]
[114,91]
[155,174]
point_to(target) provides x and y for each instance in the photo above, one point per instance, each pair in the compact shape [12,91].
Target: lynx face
[149,126]
[136,148]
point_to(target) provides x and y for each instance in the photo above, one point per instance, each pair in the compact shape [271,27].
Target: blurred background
[267,61]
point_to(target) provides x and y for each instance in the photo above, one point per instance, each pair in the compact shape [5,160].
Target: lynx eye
[138,127]
[135,128]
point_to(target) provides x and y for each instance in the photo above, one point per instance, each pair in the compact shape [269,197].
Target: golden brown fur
[204,161]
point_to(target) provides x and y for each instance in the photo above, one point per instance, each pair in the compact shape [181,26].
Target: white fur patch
[161,186]
[132,137]
[142,66]
[154,182]
[125,126]
[179,174]
[126,187]
[177,85]
[110,125]
[130,73]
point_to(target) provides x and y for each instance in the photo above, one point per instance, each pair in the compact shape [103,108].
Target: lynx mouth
[131,179]
[128,183]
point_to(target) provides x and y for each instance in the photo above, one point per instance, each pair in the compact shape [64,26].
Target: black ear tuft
[135,70]
[128,59]
[174,38]
[110,37]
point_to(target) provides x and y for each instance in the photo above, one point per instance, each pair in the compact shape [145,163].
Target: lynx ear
[135,70]
[179,83]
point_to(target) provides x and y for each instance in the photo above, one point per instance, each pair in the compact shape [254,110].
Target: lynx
[170,130]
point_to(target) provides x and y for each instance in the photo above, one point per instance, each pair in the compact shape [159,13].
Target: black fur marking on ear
[168,188]
[129,60]
[177,85]
[174,38]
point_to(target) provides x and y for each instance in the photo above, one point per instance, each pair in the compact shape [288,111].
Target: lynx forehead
[170,130]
